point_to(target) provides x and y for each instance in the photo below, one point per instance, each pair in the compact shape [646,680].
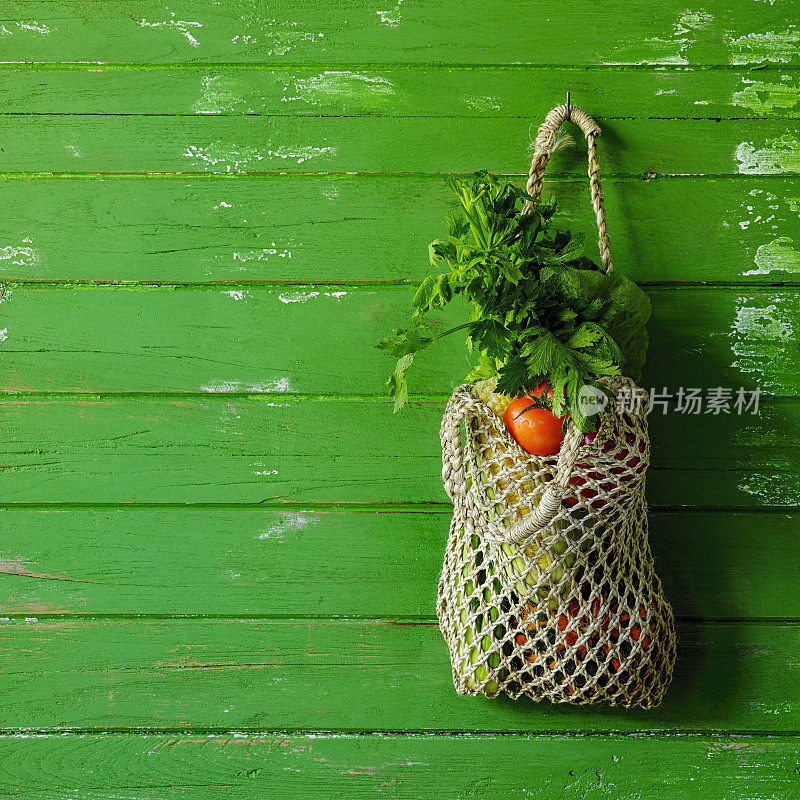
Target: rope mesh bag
[548,588]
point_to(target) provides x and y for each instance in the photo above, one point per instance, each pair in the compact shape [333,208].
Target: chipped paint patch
[339,85]
[779,255]
[3,334]
[485,103]
[760,335]
[236,294]
[287,523]
[235,159]
[780,155]
[766,98]
[371,771]
[763,210]
[297,297]
[231,158]
[185,27]
[17,27]
[755,48]
[216,96]
[19,256]
[664,51]
[304,297]
[278,385]
[261,255]
[280,36]
[302,154]
[261,470]
[659,51]
[690,21]
[391,18]
[764,708]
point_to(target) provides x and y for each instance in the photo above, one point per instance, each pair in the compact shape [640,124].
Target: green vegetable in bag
[538,311]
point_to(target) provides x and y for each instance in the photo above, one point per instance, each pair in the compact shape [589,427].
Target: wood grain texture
[291,32]
[224,340]
[383,145]
[363,230]
[230,595]
[268,449]
[250,767]
[437,93]
[344,562]
[239,674]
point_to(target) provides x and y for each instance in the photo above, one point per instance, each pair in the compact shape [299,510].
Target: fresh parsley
[537,309]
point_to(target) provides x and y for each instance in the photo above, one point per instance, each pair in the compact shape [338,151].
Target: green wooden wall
[219,548]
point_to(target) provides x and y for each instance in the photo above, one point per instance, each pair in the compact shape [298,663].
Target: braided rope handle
[546,143]
[459,407]
[462,403]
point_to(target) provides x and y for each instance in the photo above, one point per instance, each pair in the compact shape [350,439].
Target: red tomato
[537,430]
[539,390]
[545,389]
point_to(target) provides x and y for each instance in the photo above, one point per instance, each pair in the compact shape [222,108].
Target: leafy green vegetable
[537,309]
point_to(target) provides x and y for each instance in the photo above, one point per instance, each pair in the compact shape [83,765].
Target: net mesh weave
[569,609]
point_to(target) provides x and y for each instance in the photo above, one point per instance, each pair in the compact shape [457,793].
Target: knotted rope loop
[461,406]
[546,143]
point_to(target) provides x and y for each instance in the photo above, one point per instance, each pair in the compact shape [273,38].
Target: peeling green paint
[774,46]
[779,156]
[655,50]
[779,255]
[765,98]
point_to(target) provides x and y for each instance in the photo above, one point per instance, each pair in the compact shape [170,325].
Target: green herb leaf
[491,335]
[538,310]
[397,381]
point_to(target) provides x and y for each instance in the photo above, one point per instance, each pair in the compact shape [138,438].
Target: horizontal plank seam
[403,284]
[254,397]
[355,507]
[310,115]
[573,176]
[12,281]
[420,620]
[113,66]
[212,732]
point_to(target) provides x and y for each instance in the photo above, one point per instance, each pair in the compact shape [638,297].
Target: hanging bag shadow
[548,588]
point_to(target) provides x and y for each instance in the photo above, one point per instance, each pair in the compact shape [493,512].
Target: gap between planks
[554,177]
[10,282]
[304,506]
[422,620]
[353,733]
[256,397]
[123,66]
[266,115]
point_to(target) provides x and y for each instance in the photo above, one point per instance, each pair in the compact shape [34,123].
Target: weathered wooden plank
[250,767]
[491,92]
[234,561]
[89,339]
[373,144]
[346,229]
[239,674]
[253,450]
[722,33]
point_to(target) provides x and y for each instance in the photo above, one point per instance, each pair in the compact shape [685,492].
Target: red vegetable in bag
[548,588]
